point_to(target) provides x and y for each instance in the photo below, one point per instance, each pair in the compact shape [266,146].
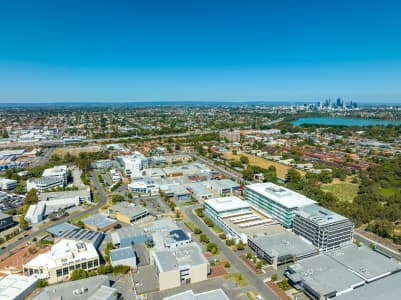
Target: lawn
[281,169]
[344,191]
[238,278]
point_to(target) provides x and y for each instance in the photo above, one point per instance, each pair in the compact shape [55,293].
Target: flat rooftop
[388,288]
[13,286]
[366,263]
[99,221]
[324,275]
[172,259]
[227,203]
[284,243]
[281,195]
[70,290]
[63,195]
[190,295]
[122,253]
[319,215]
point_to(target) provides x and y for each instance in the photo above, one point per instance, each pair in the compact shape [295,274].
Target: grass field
[386,192]
[281,170]
[344,191]
[76,150]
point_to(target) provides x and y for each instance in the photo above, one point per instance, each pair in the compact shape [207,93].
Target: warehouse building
[71,232]
[321,277]
[99,222]
[61,260]
[190,295]
[35,213]
[128,236]
[324,228]
[364,262]
[179,266]
[123,256]
[388,288]
[223,187]
[282,247]
[78,197]
[127,212]
[96,288]
[277,201]
[199,191]
[16,287]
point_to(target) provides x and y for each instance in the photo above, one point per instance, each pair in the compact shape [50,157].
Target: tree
[203,238]
[240,246]
[244,159]
[274,277]
[79,274]
[41,283]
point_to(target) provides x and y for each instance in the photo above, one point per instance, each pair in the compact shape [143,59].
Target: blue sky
[199,50]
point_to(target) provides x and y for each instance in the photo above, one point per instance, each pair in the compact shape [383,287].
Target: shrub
[240,246]
[274,277]
[227,265]
[222,236]
[203,238]
[197,231]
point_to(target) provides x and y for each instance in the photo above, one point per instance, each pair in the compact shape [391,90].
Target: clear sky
[94,50]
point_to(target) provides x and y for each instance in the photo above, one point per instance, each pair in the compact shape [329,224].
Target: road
[44,158]
[102,201]
[234,260]
[60,142]
[226,171]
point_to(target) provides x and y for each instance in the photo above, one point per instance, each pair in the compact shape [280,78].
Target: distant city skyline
[137,51]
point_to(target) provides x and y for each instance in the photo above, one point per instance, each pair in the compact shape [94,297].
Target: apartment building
[324,228]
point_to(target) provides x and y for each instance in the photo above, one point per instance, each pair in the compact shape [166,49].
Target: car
[259,297]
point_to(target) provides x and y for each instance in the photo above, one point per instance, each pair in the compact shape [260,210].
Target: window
[95,263]
[71,268]
[78,266]
[84,266]
[90,264]
[59,273]
[65,271]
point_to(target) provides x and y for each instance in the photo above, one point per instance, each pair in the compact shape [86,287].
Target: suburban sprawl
[205,201]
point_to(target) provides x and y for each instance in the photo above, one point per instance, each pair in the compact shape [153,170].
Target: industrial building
[340,271]
[99,222]
[170,238]
[223,187]
[61,260]
[178,192]
[388,288]
[35,213]
[7,184]
[96,288]
[79,196]
[123,256]
[282,247]
[127,212]
[71,232]
[6,221]
[321,277]
[180,265]
[277,201]
[199,191]
[128,236]
[324,228]
[16,287]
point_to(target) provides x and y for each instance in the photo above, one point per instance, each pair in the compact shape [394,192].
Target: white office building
[134,164]
[277,201]
[61,260]
[36,212]
[44,183]
[57,172]
[144,185]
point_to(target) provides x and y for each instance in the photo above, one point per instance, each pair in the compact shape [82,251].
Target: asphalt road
[44,158]
[102,201]
[234,260]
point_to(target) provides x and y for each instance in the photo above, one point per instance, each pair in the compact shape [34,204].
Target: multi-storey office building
[277,201]
[324,228]
[62,259]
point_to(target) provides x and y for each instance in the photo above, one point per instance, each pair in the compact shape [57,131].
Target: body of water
[343,121]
